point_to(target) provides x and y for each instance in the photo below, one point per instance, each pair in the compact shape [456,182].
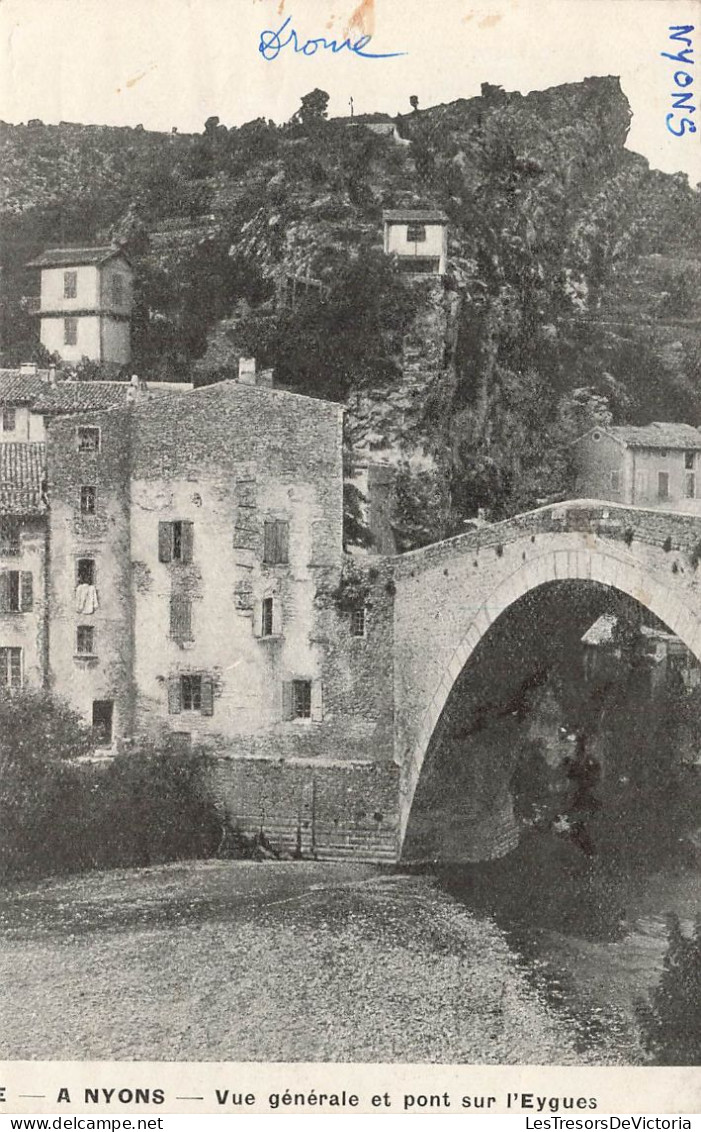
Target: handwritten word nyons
[273,42]
[683,96]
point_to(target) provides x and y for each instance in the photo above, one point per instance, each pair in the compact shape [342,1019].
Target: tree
[414,103]
[313,110]
[671,1020]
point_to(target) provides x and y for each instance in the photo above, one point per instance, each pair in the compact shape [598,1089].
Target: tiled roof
[22,472]
[17,388]
[411,215]
[75,257]
[72,396]
[659,434]
[601,632]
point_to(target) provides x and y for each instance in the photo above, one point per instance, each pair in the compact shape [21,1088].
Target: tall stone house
[192,601]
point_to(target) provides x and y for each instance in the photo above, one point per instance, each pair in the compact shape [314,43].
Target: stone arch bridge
[449,594]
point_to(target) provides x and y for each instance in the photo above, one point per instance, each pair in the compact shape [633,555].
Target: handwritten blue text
[273,42]
[682,97]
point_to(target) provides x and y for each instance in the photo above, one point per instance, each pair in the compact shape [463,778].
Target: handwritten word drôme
[682,98]
[273,42]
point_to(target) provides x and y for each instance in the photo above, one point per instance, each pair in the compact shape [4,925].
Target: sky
[166,63]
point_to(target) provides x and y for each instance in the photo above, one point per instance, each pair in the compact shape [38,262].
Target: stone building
[655,465]
[418,237]
[196,598]
[23,639]
[85,303]
[31,398]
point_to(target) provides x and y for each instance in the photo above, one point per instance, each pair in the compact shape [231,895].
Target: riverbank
[225,960]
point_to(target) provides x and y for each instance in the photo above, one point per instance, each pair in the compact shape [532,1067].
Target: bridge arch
[576,556]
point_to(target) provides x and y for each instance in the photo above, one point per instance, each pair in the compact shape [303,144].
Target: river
[590,935]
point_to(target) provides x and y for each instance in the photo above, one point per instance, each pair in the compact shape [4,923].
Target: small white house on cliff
[419,237]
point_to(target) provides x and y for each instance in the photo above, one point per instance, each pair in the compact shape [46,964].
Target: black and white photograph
[350,533]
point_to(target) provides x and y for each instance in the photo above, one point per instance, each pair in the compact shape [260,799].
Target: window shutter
[287,700]
[277,617]
[317,707]
[283,541]
[180,618]
[188,537]
[270,542]
[26,592]
[164,542]
[4,592]
[174,704]
[207,700]
[258,619]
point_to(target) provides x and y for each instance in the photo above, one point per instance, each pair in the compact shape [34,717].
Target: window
[16,591]
[615,482]
[88,438]
[180,618]
[70,284]
[276,547]
[87,500]
[11,667]
[191,692]
[175,541]
[689,461]
[85,640]
[118,290]
[70,331]
[266,629]
[357,622]
[690,485]
[8,418]
[85,572]
[596,435]
[9,536]
[663,485]
[301,699]
[415,233]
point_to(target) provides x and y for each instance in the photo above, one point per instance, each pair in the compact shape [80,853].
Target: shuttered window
[298,697]
[9,536]
[180,618]
[11,667]
[192,691]
[16,591]
[9,421]
[276,548]
[175,541]
[70,284]
[70,331]
[357,622]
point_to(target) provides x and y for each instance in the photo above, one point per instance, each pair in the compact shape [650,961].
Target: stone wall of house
[107,674]
[26,629]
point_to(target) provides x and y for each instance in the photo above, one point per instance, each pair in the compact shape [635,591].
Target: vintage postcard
[350,545]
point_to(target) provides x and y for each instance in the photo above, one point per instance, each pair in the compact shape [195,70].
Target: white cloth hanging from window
[86,599]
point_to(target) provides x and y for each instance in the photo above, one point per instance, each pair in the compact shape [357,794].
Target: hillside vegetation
[572,293]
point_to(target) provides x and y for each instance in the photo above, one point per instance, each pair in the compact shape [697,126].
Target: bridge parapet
[670,530]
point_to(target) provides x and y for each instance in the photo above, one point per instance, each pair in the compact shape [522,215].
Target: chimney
[28,369]
[265,378]
[52,374]
[247,371]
